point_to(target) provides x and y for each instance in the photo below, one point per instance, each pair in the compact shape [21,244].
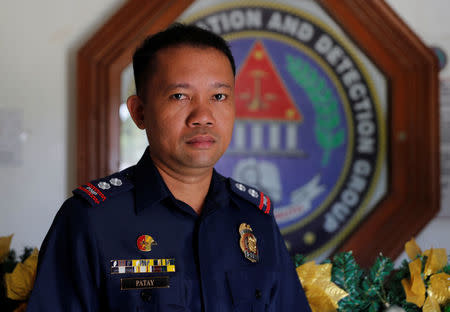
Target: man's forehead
[166,57]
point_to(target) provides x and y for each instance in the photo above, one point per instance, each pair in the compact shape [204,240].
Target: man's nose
[201,114]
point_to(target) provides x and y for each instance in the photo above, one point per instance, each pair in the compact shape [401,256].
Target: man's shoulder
[98,191]
[257,198]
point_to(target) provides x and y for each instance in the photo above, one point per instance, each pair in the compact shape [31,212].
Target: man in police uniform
[171,234]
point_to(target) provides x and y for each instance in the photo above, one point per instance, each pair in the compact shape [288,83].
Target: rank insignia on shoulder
[259,199]
[98,191]
[248,243]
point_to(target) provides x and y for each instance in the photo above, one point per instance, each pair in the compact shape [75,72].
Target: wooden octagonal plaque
[336,114]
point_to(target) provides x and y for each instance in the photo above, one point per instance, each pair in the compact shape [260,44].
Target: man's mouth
[201,141]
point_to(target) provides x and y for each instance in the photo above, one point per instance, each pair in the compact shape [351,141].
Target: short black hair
[175,35]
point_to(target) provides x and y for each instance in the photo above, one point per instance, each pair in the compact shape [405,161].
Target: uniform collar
[150,187]
[218,195]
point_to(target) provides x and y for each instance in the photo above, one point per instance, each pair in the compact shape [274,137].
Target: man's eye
[220,97]
[178,96]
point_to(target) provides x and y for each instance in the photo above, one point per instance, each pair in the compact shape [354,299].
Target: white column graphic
[291,137]
[274,136]
[257,136]
[239,136]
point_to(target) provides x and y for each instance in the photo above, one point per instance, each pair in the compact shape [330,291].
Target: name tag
[144,282]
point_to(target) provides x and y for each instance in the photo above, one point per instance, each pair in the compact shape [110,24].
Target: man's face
[189,109]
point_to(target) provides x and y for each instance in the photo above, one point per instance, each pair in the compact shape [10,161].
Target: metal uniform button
[253,193]
[146,295]
[115,182]
[258,294]
[240,187]
[104,185]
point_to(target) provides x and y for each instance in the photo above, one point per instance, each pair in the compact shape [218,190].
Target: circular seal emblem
[308,128]
[145,243]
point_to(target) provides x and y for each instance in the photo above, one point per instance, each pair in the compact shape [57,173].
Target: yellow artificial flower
[439,288]
[431,305]
[437,259]
[412,249]
[20,282]
[415,287]
[323,295]
[439,284]
[5,243]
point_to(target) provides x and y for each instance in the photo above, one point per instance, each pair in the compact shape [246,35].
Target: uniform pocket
[252,288]
[167,299]
[172,298]
[141,294]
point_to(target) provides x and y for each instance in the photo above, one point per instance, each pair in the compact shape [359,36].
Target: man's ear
[136,109]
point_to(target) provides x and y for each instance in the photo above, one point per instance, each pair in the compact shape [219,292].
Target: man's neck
[191,189]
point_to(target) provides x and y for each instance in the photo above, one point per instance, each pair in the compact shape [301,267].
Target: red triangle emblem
[260,93]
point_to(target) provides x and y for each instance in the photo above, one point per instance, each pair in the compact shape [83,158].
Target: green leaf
[353,304]
[374,306]
[347,274]
[410,307]
[369,291]
[403,270]
[446,269]
[394,290]
[299,260]
[373,283]
[382,267]
[26,253]
[10,262]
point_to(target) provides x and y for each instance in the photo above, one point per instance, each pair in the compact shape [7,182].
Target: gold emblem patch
[248,243]
[145,242]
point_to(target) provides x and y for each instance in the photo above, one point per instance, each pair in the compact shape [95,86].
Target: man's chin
[202,164]
[203,161]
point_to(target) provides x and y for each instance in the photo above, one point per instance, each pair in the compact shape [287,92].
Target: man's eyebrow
[221,85]
[180,85]
[184,85]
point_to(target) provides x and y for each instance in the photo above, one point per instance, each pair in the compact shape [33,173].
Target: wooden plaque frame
[412,71]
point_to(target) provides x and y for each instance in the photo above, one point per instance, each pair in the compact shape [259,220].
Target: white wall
[430,21]
[38,44]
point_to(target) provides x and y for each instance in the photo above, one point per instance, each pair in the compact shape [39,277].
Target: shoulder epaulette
[98,191]
[258,198]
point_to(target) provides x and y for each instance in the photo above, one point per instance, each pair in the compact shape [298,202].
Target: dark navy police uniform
[124,243]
